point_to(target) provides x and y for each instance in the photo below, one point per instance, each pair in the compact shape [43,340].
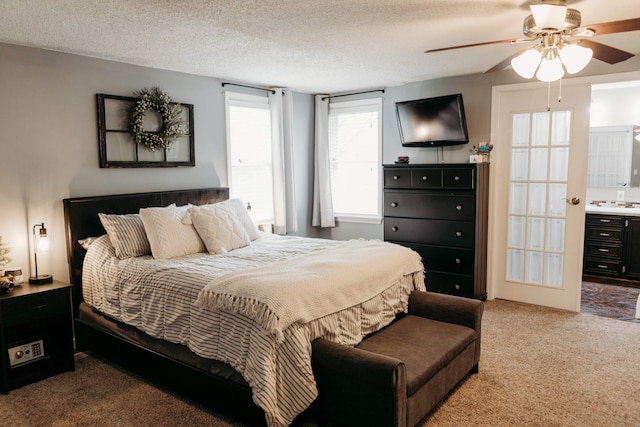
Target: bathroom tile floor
[607,300]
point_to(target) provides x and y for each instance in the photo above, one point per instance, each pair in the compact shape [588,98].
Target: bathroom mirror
[614,151]
[614,157]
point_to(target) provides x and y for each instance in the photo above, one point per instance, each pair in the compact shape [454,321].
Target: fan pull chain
[549,94]
[560,91]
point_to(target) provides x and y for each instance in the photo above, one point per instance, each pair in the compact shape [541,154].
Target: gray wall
[48,147]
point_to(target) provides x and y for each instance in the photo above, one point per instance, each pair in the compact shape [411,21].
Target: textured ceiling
[325,46]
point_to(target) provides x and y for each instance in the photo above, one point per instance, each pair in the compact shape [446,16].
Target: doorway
[613,185]
[498,238]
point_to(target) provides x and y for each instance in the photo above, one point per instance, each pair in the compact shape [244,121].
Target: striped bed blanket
[159,297]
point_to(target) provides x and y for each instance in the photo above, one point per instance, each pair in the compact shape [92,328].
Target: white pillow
[219,227]
[168,236]
[238,207]
[243,215]
[127,234]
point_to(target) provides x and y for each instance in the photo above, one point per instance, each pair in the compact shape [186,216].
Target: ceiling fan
[559,42]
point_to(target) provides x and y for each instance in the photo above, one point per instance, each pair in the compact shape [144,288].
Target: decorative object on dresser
[147,130]
[612,246]
[6,282]
[4,253]
[15,273]
[441,212]
[481,153]
[36,334]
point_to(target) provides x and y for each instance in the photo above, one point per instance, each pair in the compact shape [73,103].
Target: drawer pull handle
[459,233]
[459,207]
[604,267]
[396,177]
[425,177]
[394,205]
[605,220]
[457,286]
[603,250]
[458,261]
[394,228]
[605,234]
[456,178]
[37,307]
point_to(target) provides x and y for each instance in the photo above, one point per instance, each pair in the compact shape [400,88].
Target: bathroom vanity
[612,242]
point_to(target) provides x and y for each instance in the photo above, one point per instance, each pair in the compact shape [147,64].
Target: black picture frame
[116,146]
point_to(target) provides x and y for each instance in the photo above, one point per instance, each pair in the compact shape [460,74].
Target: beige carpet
[539,367]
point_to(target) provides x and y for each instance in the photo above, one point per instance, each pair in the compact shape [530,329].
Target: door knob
[574,201]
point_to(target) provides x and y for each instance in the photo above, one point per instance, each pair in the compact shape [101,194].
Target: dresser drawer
[410,204]
[603,267]
[426,178]
[601,234]
[397,178]
[597,249]
[605,220]
[16,311]
[457,178]
[444,259]
[430,231]
[452,284]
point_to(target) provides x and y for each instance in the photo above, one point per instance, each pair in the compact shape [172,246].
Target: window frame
[361,105]
[238,99]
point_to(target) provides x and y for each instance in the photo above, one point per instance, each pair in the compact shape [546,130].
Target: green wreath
[172,126]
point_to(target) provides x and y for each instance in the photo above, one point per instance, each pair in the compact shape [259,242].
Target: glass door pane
[537,197]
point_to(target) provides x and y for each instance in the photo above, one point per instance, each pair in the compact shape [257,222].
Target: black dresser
[441,212]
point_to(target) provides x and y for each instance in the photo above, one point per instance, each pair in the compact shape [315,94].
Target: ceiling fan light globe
[549,16]
[575,57]
[550,70]
[526,63]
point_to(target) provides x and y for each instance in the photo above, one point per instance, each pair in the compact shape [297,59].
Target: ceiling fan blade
[616,26]
[505,62]
[511,41]
[606,53]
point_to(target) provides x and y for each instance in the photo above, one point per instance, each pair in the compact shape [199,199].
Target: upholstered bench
[396,376]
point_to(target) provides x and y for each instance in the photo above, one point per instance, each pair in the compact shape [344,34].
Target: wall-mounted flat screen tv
[432,122]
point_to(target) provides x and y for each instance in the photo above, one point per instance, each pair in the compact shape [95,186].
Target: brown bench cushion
[424,345]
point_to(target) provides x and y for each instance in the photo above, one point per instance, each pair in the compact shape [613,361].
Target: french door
[538,188]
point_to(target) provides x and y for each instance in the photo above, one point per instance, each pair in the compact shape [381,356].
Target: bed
[200,314]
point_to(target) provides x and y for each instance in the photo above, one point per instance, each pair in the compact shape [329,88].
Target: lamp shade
[43,242]
[526,63]
[575,57]
[40,244]
[549,16]
[550,70]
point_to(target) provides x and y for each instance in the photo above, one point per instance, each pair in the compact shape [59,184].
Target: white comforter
[157,296]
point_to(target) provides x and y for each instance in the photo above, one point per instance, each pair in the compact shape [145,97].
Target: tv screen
[432,122]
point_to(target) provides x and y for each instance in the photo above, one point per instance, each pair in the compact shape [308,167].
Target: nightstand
[36,333]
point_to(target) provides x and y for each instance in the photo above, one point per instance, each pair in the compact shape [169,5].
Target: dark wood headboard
[81,219]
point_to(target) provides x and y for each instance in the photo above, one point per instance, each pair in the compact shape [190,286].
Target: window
[355,135]
[249,160]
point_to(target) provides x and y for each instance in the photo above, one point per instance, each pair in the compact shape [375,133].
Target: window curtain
[322,203]
[284,206]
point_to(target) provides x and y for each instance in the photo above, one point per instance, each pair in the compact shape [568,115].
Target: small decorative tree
[4,252]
